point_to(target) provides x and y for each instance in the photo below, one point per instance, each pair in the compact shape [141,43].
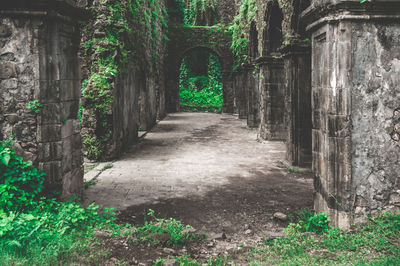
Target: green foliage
[36,230]
[201,93]
[318,223]
[294,169]
[34,105]
[241,24]
[182,260]
[156,226]
[20,183]
[131,34]
[201,13]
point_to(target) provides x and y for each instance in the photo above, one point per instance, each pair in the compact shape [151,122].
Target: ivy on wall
[121,32]
[239,28]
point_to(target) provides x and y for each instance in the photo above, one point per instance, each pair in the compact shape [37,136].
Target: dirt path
[209,171]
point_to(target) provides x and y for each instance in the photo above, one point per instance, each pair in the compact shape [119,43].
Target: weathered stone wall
[298,113]
[356,95]
[137,88]
[226,11]
[39,67]
[375,105]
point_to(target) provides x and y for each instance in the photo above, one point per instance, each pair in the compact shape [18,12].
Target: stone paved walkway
[187,154]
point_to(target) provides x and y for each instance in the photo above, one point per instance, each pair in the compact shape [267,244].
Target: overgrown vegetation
[201,88]
[311,241]
[163,231]
[38,230]
[240,25]
[134,31]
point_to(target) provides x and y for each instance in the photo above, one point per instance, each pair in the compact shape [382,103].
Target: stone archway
[186,39]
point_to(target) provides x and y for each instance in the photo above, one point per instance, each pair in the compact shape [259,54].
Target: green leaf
[5,158]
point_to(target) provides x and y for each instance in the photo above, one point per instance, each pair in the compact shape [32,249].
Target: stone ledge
[57,8]
[335,10]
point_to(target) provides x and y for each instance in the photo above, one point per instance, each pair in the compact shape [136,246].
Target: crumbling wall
[356,93]
[39,89]
[122,51]
[375,105]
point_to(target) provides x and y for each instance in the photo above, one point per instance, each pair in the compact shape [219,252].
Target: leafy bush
[156,227]
[36,230]
[199,92]
[317,223]
[20,182]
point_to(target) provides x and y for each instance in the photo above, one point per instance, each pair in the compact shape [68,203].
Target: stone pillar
[297,60]
[272,102]
[40,88]
[240,93]
[252,97]
[228,93]
[355,105]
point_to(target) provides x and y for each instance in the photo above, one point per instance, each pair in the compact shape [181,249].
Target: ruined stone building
[321,75]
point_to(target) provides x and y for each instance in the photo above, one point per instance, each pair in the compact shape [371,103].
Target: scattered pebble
[280,216]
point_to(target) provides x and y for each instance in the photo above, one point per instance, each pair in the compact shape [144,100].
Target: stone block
[53,171]
[9,84]
[5,30]
[49,133]
[67,129]
[50,113]
[72,183]
[51,151]
[8,70]
[49,91]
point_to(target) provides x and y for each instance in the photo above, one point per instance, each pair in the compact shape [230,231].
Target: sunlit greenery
[201,82]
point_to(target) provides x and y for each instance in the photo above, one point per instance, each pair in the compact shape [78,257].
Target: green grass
[375,243]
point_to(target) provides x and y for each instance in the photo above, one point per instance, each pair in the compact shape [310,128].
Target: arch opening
[253,41]
[200,81]
[273,36]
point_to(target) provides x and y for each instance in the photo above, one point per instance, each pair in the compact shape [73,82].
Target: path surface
[207,170]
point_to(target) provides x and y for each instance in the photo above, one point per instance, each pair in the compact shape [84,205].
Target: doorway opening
[200,82]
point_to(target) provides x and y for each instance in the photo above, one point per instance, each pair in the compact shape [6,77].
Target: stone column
[240,94]
[297,59]
[272,102]
[252,97]
[40,88]
[228,93]
[355,105]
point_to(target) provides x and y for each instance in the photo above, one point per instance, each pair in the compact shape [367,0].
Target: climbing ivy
[240,25]
[133,32]
[201,12]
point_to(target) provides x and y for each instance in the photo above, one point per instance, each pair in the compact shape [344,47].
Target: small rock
[273,235]
[170,263]
[246,226]
[162,238]
[12,118]
[220,236]
[102,234]
[169,251]
[189,231]
[9,84]
[280,216]
[210,245]
[248,232]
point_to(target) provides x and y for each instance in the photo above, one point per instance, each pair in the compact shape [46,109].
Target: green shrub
[20,182]
[36,230]
[310,222]
[157,226]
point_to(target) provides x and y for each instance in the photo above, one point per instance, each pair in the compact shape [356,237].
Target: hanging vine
[120,32]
